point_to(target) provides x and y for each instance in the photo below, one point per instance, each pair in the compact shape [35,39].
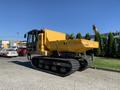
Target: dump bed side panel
[80,45]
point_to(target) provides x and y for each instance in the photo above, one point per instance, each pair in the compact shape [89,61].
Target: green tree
[72,36]
[116,47]
[110,44]
[103,45]
[97,52]
[78,36]
[87,36]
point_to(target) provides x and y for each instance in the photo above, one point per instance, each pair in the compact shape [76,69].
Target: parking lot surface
[17,74]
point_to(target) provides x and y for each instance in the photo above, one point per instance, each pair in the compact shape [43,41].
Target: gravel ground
[17,74]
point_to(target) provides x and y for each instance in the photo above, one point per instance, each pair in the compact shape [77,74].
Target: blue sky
[69,16]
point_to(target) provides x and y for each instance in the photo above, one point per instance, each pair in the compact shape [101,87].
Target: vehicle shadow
[25,64]
[28,65]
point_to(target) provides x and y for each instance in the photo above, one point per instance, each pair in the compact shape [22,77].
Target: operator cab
[32,38]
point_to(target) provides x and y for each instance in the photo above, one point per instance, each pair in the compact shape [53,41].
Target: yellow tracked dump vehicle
[57,55]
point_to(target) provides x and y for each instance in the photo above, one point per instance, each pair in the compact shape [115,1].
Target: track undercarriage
[58,65]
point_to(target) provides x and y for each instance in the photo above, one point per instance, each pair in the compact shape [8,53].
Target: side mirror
[25,35]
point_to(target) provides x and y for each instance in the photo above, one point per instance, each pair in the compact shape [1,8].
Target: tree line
[109,45]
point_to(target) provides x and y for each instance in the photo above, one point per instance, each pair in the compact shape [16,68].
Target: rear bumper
[12,55]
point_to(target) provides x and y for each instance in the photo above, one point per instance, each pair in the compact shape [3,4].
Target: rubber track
[74,64]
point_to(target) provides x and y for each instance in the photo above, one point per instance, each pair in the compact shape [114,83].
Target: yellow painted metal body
[56,41]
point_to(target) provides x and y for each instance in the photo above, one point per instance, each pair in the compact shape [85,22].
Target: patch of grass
[106,63]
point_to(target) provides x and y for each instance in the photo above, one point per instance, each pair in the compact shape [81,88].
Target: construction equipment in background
[56,54]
